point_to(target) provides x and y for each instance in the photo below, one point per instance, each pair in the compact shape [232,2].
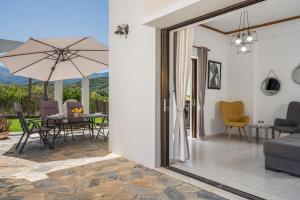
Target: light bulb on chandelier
[249,38]
[238,41]
[243,48]
[245,37]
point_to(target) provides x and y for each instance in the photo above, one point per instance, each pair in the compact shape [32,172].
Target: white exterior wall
[133,87]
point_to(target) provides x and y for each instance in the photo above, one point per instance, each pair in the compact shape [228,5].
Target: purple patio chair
[48,108]
[80,122]
[71,105]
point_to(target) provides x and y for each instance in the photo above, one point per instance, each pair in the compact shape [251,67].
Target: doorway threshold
[209,185]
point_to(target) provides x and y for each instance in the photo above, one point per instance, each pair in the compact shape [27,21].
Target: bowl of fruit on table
[77,112]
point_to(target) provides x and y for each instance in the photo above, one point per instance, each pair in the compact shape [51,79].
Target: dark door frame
[193,104]
[164,94]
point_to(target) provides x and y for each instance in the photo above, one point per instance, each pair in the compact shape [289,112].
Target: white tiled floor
[239,164]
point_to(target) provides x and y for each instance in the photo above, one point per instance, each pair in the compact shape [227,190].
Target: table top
[260,126]
[83,116]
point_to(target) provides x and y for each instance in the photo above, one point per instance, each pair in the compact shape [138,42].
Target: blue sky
[22,19]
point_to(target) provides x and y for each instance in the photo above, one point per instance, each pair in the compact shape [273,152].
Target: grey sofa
[283,154]
[292,122]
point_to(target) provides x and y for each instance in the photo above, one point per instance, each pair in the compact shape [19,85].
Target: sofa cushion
[285,129]
[293,113]
[287,147]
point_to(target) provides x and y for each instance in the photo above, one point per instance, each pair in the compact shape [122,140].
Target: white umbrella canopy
[57,58]
[8,45]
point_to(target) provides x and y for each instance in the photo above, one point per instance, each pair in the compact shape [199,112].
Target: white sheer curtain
[182,60]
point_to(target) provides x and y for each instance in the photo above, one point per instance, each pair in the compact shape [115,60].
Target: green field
[16,126]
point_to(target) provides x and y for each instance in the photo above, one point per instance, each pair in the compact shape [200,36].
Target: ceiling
[183,10]
[261,13]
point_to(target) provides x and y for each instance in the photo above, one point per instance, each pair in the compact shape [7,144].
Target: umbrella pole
[52,70]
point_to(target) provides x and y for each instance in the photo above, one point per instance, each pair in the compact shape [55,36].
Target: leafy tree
[71,92]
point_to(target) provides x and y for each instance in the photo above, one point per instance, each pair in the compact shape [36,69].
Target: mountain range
[6,78]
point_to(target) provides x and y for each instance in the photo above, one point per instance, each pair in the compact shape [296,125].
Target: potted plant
[4,127]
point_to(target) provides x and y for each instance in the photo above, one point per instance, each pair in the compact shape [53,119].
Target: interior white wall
[242,74]
[133,85]
[277,49]
[241,78]
[217,43]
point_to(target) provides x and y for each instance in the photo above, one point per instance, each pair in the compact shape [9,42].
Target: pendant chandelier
[245,37]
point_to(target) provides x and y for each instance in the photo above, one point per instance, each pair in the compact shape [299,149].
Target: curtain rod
[201,47]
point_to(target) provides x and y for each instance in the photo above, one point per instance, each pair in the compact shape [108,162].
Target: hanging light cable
[244,37]
[238,39]
[244,47]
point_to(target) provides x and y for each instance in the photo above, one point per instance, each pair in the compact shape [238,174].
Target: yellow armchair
[233,116]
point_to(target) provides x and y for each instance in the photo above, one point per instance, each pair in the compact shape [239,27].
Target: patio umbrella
[8,45]
[57,59]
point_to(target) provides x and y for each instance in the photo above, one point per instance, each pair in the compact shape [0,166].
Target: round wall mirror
[270,86]
[296,75]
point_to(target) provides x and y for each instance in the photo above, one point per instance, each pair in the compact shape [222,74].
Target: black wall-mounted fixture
[122,30]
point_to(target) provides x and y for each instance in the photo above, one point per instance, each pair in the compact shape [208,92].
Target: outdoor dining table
[62,120]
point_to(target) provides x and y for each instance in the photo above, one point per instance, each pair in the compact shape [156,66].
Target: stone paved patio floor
[83,169]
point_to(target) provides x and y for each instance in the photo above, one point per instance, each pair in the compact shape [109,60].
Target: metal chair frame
[27,130]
